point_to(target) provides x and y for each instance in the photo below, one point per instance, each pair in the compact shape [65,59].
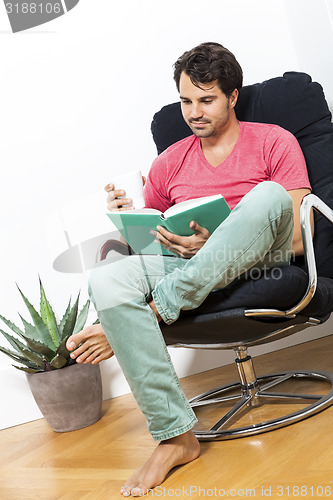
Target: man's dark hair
[208,62]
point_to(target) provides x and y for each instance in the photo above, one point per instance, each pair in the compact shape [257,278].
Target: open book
[135,225]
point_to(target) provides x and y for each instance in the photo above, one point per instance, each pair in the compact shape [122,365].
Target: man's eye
[207,101]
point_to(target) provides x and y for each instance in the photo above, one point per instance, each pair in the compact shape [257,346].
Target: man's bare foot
[89,345]
[168,454]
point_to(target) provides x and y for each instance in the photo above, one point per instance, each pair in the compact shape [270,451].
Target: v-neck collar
[228,158]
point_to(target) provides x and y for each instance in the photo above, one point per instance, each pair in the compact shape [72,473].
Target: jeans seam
[174,375]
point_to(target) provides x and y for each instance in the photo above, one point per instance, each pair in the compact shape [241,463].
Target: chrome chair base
[252,392]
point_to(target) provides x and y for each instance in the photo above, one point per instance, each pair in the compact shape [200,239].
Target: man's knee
[271,194]
[111,271]
[105,282]
[117,283]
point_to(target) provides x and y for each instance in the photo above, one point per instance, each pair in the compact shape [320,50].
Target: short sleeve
[155,187]
[285,160]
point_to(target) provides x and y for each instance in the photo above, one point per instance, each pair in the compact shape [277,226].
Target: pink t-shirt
[262,153]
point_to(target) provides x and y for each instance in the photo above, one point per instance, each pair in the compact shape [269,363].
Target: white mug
[132,184]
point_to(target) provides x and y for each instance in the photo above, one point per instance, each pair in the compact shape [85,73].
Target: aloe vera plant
[44,346]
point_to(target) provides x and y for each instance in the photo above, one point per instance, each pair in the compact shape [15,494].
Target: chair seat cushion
[222,317]
[279,288]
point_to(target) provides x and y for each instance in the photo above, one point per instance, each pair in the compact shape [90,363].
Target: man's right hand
[114,201]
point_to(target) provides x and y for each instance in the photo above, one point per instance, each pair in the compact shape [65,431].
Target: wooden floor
[92,463]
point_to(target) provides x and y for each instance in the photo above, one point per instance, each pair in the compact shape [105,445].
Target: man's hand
[184,246]
[115,202]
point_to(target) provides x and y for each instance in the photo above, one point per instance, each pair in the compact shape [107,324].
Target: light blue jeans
[256,235]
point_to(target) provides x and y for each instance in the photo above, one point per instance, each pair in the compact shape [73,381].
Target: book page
[186,205]
[140,211]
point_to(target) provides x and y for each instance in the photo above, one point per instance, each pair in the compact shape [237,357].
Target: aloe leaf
[22,349]
[70,320]
[48,316]
[12,326]
[16,357]
[62,349]
[82,318]
[15,343]
[31,356]
[27,370]
[32,345]
[41,328]
[40,348]
[58,361]
[12,354]
[64,318]
[30,331]
[35,342]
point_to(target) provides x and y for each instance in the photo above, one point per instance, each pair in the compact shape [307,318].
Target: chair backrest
[297,104]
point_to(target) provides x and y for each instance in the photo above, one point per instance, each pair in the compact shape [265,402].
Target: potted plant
[68,394]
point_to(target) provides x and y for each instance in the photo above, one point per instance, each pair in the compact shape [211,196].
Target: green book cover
[135,225]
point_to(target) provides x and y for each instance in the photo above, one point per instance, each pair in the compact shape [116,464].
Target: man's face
[207,109]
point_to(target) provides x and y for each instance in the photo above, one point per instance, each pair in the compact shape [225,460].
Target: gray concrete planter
[69,398]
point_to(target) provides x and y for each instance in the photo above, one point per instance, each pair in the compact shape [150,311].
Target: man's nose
[196,111]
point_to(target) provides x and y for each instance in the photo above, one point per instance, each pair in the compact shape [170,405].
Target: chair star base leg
[252,393]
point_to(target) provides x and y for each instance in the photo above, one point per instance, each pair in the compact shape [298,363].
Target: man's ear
[233,98]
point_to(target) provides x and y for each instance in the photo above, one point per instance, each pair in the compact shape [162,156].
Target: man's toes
[133,488]
[72,342]
[125,491]
[138,491]
[84,355]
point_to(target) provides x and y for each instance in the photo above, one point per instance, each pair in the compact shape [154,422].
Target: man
[261,172]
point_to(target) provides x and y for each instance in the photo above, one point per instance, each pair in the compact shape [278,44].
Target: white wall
[77,97]
[311,28]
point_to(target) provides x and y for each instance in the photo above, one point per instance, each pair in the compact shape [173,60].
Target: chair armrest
[310,201]
[118,246]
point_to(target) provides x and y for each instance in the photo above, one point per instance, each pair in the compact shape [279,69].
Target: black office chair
[257,311]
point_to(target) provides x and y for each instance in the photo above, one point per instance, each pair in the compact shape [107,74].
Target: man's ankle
[154,308]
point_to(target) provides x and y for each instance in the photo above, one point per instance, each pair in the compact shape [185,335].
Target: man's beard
[213,130]
[202,132]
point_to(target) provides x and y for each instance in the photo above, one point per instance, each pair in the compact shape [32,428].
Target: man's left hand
[184,246]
